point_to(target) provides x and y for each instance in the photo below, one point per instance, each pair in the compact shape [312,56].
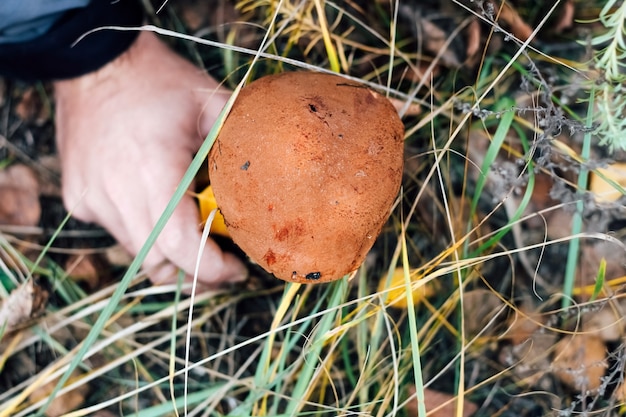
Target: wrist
[119,65]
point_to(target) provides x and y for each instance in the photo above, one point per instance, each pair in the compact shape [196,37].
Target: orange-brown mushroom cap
[305,171]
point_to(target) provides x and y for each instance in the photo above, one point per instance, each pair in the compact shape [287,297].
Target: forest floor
[495,288]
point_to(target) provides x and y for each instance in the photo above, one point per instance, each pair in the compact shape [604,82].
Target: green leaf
[600,279]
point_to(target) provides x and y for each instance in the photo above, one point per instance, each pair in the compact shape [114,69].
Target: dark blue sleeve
[42,48]
[22,20]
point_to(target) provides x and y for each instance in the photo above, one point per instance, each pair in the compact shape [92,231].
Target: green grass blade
[600,279]
[526,198]
[415,350]
[494,148]
[167,408]
[577,220]
[338,293]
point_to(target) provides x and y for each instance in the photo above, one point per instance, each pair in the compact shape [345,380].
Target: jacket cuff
[52,56]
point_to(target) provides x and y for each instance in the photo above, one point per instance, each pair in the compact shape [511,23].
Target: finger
[132,231]
[109,216]
[125,214]
[181,240]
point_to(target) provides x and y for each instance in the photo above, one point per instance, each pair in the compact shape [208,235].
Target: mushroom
[305,171]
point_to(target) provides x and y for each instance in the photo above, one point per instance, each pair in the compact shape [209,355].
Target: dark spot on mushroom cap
[269,257]
[313,276]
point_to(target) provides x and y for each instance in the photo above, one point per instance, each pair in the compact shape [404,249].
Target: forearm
[54,54]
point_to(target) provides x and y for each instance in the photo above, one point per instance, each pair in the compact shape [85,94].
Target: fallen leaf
[413,109]
[422,72]
[520,29]
[19,205]
[195,13]
[620,392]
[17,307]
[559,223]
[439,404]
[609,323]
[435,39]
[397,296]
[84,268]
[592,254]
[480,307]
[31,107]
[61,404]
[49,176]
[566,17]
[24,303]
[531,344]
[473,48]
[601,183]
[580,361]
[523,325]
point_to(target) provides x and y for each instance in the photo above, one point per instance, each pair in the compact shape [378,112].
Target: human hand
[126,135]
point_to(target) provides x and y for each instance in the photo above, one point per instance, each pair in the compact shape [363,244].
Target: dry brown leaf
[559,223]
[620,392]
[420,72]
[23,303]
[520,29]
[413,109]
[49,175]
[531,344]
[439,404]
[580,361]
[473,48]
[83,268]
[31,108]
[480,307]
[61,404]
[19,189]
[592,254]
[194,13]
[524,324]
[609,323]
[602,190]
[566,18]
[17,307]
[435,40]
[541,192]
